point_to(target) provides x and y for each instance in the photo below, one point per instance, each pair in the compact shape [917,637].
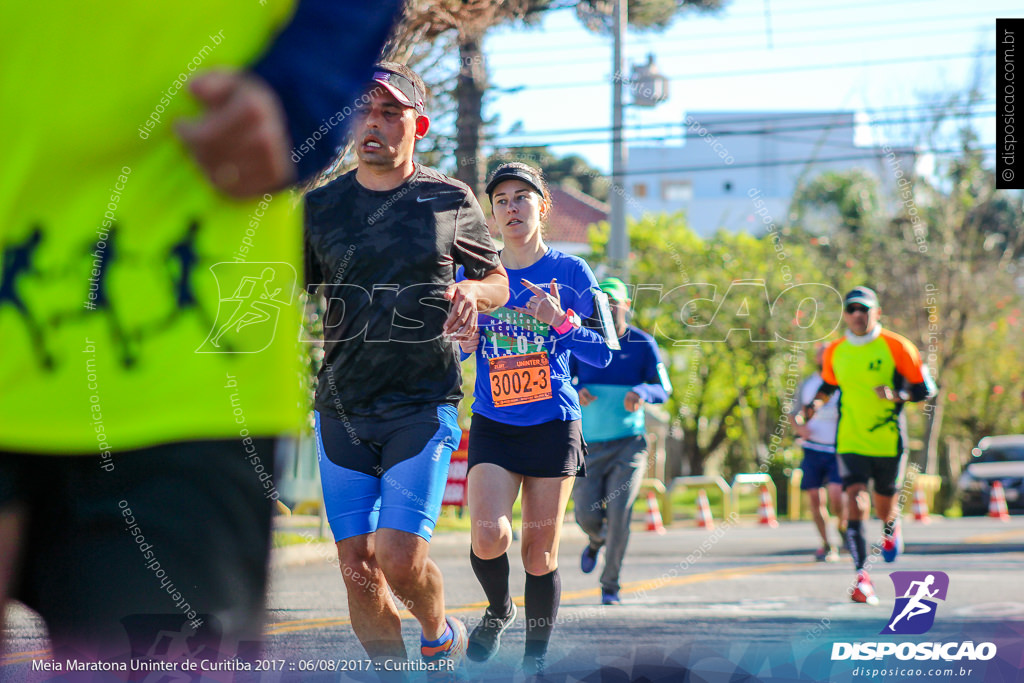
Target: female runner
[525,431]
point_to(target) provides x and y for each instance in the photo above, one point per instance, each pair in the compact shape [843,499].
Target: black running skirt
[550,449]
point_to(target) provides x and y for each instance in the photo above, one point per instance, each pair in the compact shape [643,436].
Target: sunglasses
[856,308]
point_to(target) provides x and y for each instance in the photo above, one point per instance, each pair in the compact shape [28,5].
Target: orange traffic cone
[653,514]
[997,503]
[704,518]
[921,507]
[766,511]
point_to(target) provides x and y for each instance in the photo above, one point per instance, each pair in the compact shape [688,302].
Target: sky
[874,57]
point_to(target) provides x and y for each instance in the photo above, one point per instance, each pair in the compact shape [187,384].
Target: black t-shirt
[385,260]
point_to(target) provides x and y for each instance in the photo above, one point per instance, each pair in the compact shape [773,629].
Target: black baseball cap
[403,89]
[861,295]
[509,172]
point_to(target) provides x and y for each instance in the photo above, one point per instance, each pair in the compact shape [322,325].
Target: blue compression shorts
[386,473]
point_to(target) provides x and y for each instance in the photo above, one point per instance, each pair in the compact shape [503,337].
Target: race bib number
[520,379]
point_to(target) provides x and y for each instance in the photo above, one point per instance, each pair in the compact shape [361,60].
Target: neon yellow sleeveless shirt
[137,305]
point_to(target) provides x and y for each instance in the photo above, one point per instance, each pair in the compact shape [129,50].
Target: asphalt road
[742,602]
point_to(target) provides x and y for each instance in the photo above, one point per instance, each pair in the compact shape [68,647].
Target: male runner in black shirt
[385,240]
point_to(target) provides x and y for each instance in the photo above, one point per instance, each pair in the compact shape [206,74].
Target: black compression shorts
[886,471]
[171,539]
[550,449]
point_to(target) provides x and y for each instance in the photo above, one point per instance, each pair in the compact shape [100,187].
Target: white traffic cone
[997,503]
[654,514]
[705,520]
[921,507]
[766,511]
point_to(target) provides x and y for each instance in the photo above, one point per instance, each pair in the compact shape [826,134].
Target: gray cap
[861,295]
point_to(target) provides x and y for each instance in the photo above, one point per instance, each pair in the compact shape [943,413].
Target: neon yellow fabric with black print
[137,305]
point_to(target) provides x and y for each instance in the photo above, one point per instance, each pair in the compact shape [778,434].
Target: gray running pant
[604,498]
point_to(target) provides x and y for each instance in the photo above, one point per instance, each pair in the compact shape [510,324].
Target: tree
[430,30]
[469,21]
[596,15]
[568,171]
[723,309]
[943,253]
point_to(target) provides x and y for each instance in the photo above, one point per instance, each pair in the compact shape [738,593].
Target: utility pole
[618,245]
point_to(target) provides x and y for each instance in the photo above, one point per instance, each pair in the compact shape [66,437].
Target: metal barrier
[753,479]
[697,482]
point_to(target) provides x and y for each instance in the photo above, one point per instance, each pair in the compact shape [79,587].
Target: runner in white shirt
[821,464]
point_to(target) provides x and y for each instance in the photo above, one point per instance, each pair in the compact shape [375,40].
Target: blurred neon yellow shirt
[136,304]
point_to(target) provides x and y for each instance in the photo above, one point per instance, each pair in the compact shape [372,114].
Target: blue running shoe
[610,597]
[892,546]
[444,658]
[588,560]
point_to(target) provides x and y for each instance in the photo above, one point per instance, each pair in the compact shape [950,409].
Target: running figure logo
[247,319]
[914,612]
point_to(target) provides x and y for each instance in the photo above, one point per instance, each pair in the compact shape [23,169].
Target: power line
[771,71]
[759,132]
[576,47]
[693,14]
[732,50]
[876,154]
[819,8]
[763,132]
[794,116]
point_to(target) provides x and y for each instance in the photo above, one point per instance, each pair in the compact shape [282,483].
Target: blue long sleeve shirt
[520,359]
[637,367]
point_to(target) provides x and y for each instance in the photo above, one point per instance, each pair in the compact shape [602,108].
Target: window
[676,190]
[640,190]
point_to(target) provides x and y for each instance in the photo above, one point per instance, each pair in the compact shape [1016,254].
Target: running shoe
[826,554]
[892,546]
[454,650]
[533,665]
[610,597]
[486,637]
[588,560]
[864,590]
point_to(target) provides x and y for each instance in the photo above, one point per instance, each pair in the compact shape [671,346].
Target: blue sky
[724,63]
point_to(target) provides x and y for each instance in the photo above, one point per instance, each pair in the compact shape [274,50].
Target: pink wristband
[567,324]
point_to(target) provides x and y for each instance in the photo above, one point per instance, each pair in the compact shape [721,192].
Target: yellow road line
[633,587]
[994,537]
[24,657]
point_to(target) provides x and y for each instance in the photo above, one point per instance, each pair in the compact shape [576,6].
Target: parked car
[996,458]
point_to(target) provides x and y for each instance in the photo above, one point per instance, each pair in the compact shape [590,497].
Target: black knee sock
[493,577]
[856,543]
[543,594]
